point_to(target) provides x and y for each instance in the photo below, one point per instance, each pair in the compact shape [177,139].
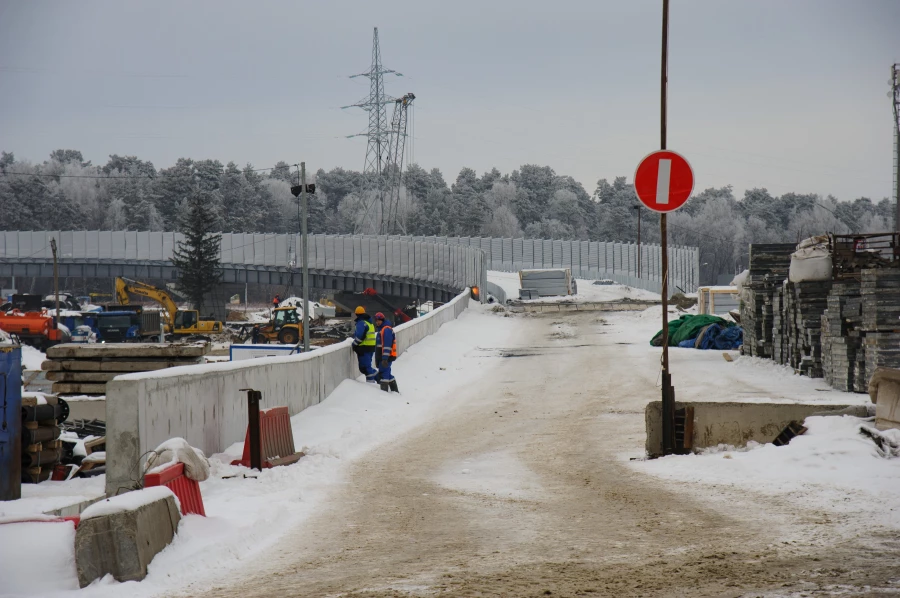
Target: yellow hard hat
[360,310]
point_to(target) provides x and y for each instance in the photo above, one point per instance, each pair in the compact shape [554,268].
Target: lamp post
[300,192]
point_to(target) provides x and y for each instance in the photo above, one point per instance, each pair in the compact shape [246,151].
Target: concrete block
[123,538]
[884,390]
[737,424]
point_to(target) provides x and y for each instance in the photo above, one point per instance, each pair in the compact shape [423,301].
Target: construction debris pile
[840,327]
[84,369]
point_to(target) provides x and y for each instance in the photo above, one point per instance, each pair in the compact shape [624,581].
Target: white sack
[811,261]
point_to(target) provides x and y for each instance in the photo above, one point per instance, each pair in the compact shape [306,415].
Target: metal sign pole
[668,394]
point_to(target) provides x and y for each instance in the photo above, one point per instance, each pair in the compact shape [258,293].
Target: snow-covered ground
[32,358]
[246,514]
[832,468]
[587,290]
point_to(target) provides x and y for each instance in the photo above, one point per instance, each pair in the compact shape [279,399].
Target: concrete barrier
[884,390]
[558,306]
[204,405]
[121,535]
[737,424]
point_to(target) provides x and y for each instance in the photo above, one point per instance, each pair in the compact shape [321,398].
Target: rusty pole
[253,433]
[668,395]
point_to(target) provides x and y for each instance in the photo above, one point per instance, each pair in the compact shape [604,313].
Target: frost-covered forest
[67,192]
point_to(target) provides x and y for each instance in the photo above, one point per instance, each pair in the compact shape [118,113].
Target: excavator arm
[124,286]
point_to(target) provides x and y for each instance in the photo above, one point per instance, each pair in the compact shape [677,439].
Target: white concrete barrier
[204,404]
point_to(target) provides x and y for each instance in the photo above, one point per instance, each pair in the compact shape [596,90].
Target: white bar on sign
[662,181]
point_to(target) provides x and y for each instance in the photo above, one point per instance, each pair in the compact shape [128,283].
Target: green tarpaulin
[686,327]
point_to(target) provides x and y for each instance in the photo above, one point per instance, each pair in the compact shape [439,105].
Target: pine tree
[197,256]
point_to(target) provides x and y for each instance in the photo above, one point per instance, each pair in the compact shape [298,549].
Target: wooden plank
[97,377]
[115,365]
[89,350]
[79,388]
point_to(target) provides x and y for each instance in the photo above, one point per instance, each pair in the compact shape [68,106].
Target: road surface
[521,489]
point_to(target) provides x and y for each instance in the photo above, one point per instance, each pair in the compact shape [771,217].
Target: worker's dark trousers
[365,365]
[384,372]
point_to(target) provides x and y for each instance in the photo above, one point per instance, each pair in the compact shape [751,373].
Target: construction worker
[276,301]
[385,352]
[364,344]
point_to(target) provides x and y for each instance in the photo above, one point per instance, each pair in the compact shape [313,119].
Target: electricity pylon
[375,104]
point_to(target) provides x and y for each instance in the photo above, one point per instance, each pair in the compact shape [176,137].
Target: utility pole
[55,282]
[303,237]
[668,393]
[895,101]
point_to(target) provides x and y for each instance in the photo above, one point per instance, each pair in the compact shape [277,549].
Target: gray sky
[785,94]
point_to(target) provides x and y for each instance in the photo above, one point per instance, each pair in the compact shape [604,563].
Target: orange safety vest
[393,345]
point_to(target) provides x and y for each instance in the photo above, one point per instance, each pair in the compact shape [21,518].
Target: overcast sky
[785,94]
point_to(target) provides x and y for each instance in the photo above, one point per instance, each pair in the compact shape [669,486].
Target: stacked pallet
[769,265]
[807,301]
[84,369]
[41,447]
[880,290]
[843,358]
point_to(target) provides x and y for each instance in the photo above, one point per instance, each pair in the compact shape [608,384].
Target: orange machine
[33,328]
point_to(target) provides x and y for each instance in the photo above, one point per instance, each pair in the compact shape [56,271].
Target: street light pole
[303,200]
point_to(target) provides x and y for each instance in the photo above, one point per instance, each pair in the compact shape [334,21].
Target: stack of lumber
[84,369]
[769,266]
[41,446]
[880,290]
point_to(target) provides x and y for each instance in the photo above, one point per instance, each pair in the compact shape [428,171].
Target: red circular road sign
[663,181]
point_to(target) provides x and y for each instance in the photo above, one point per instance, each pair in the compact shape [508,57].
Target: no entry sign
[663,181]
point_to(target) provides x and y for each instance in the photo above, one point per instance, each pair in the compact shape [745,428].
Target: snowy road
[522,487]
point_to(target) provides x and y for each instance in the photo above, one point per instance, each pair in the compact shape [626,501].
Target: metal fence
[441,265]
[589,259]
[449,261]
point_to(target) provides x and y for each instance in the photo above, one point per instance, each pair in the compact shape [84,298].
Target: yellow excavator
[178,322]
[284,327]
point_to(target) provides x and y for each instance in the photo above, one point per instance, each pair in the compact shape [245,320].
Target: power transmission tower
[394,165]
[895,101]
[375,104]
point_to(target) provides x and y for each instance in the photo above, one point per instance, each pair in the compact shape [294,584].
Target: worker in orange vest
[385,353]
[276,301]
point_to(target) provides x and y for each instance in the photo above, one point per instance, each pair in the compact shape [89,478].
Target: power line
[130,176]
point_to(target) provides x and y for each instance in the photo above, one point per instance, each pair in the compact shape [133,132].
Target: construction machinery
[35,328]
[178,322]
[284,327]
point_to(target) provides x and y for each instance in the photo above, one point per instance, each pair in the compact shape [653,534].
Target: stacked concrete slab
[84,369]
[769,265]
[545,283]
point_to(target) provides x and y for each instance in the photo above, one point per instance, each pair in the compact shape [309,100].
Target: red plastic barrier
[75,519]
[275,437]
[186,489]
